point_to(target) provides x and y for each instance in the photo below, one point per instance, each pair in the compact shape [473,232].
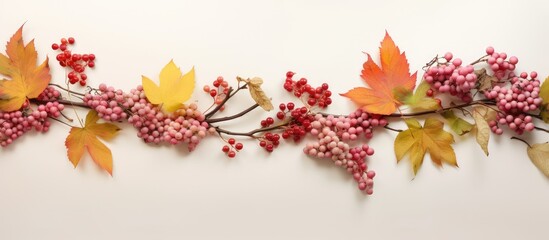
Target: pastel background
[161,192]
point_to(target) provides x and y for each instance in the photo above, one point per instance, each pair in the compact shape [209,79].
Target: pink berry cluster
[319,96]
[349,127]
[109,103]
[499,63]
[515,102]
[14,124]
[186,125]
[218,91]
[76,63]
[450,76]
[330,146]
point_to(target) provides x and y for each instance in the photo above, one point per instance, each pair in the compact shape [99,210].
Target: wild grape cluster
[515,101]
[14,124]
[334,133]
[186,125]
[452,77]
[319,96]
[76,63]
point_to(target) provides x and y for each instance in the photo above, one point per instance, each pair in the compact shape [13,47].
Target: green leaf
[457,124]
[419,101]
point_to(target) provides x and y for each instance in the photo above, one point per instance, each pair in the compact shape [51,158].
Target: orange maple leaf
[386,82]
[86,138]
[27,79]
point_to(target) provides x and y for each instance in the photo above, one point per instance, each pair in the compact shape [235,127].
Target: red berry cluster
[76,62]
[319,96]
[269,141]
[232,148]
[300,124]
[218,91]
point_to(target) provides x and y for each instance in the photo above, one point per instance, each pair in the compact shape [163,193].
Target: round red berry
[239,146]
[225,149]
[231,154]
[290,106]
[55,46]
[231,141]
[71,40]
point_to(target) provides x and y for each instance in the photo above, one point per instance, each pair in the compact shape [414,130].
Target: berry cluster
[186,125]
[109,103]
[499,63]
[514,102]
[77,63]
[300,123]
[450,76]
[319,96]
[218,91]
[49,94]
[349,127]
[232,148]
[269,141]
[330,146]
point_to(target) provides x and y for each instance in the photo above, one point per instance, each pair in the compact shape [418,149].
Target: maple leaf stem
[240,114]
[522,140]
[229,95]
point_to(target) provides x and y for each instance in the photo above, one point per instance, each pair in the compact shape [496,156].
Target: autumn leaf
[539,154]
[174,89]
[457,124]
[259,96]
[544,94]
[417,140]
[384,81]
[28,79]
[484,80]
[419,101]
[86,138]
[482,116]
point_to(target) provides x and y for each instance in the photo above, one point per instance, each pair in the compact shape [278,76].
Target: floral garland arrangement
[484,97]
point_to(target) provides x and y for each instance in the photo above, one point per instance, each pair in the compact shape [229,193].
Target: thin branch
[392,129]
[66,90]
[62,101]
[413,114]
[252,132]
[61,122]
[240,114]
[229,95]
[522,140]
[541,129]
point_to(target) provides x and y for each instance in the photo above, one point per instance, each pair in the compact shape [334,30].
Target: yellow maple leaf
[86,138]
[27,79]
[417,140]
[174,88]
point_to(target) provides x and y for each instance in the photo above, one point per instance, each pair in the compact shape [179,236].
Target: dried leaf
[259,96]
[86,138]
[539,154]
[485,81]
[482,116]
[174,89]
[417,140]
[385,81]
[457,124]
[28,79]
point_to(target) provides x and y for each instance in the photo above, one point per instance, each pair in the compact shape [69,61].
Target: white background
[161,192]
